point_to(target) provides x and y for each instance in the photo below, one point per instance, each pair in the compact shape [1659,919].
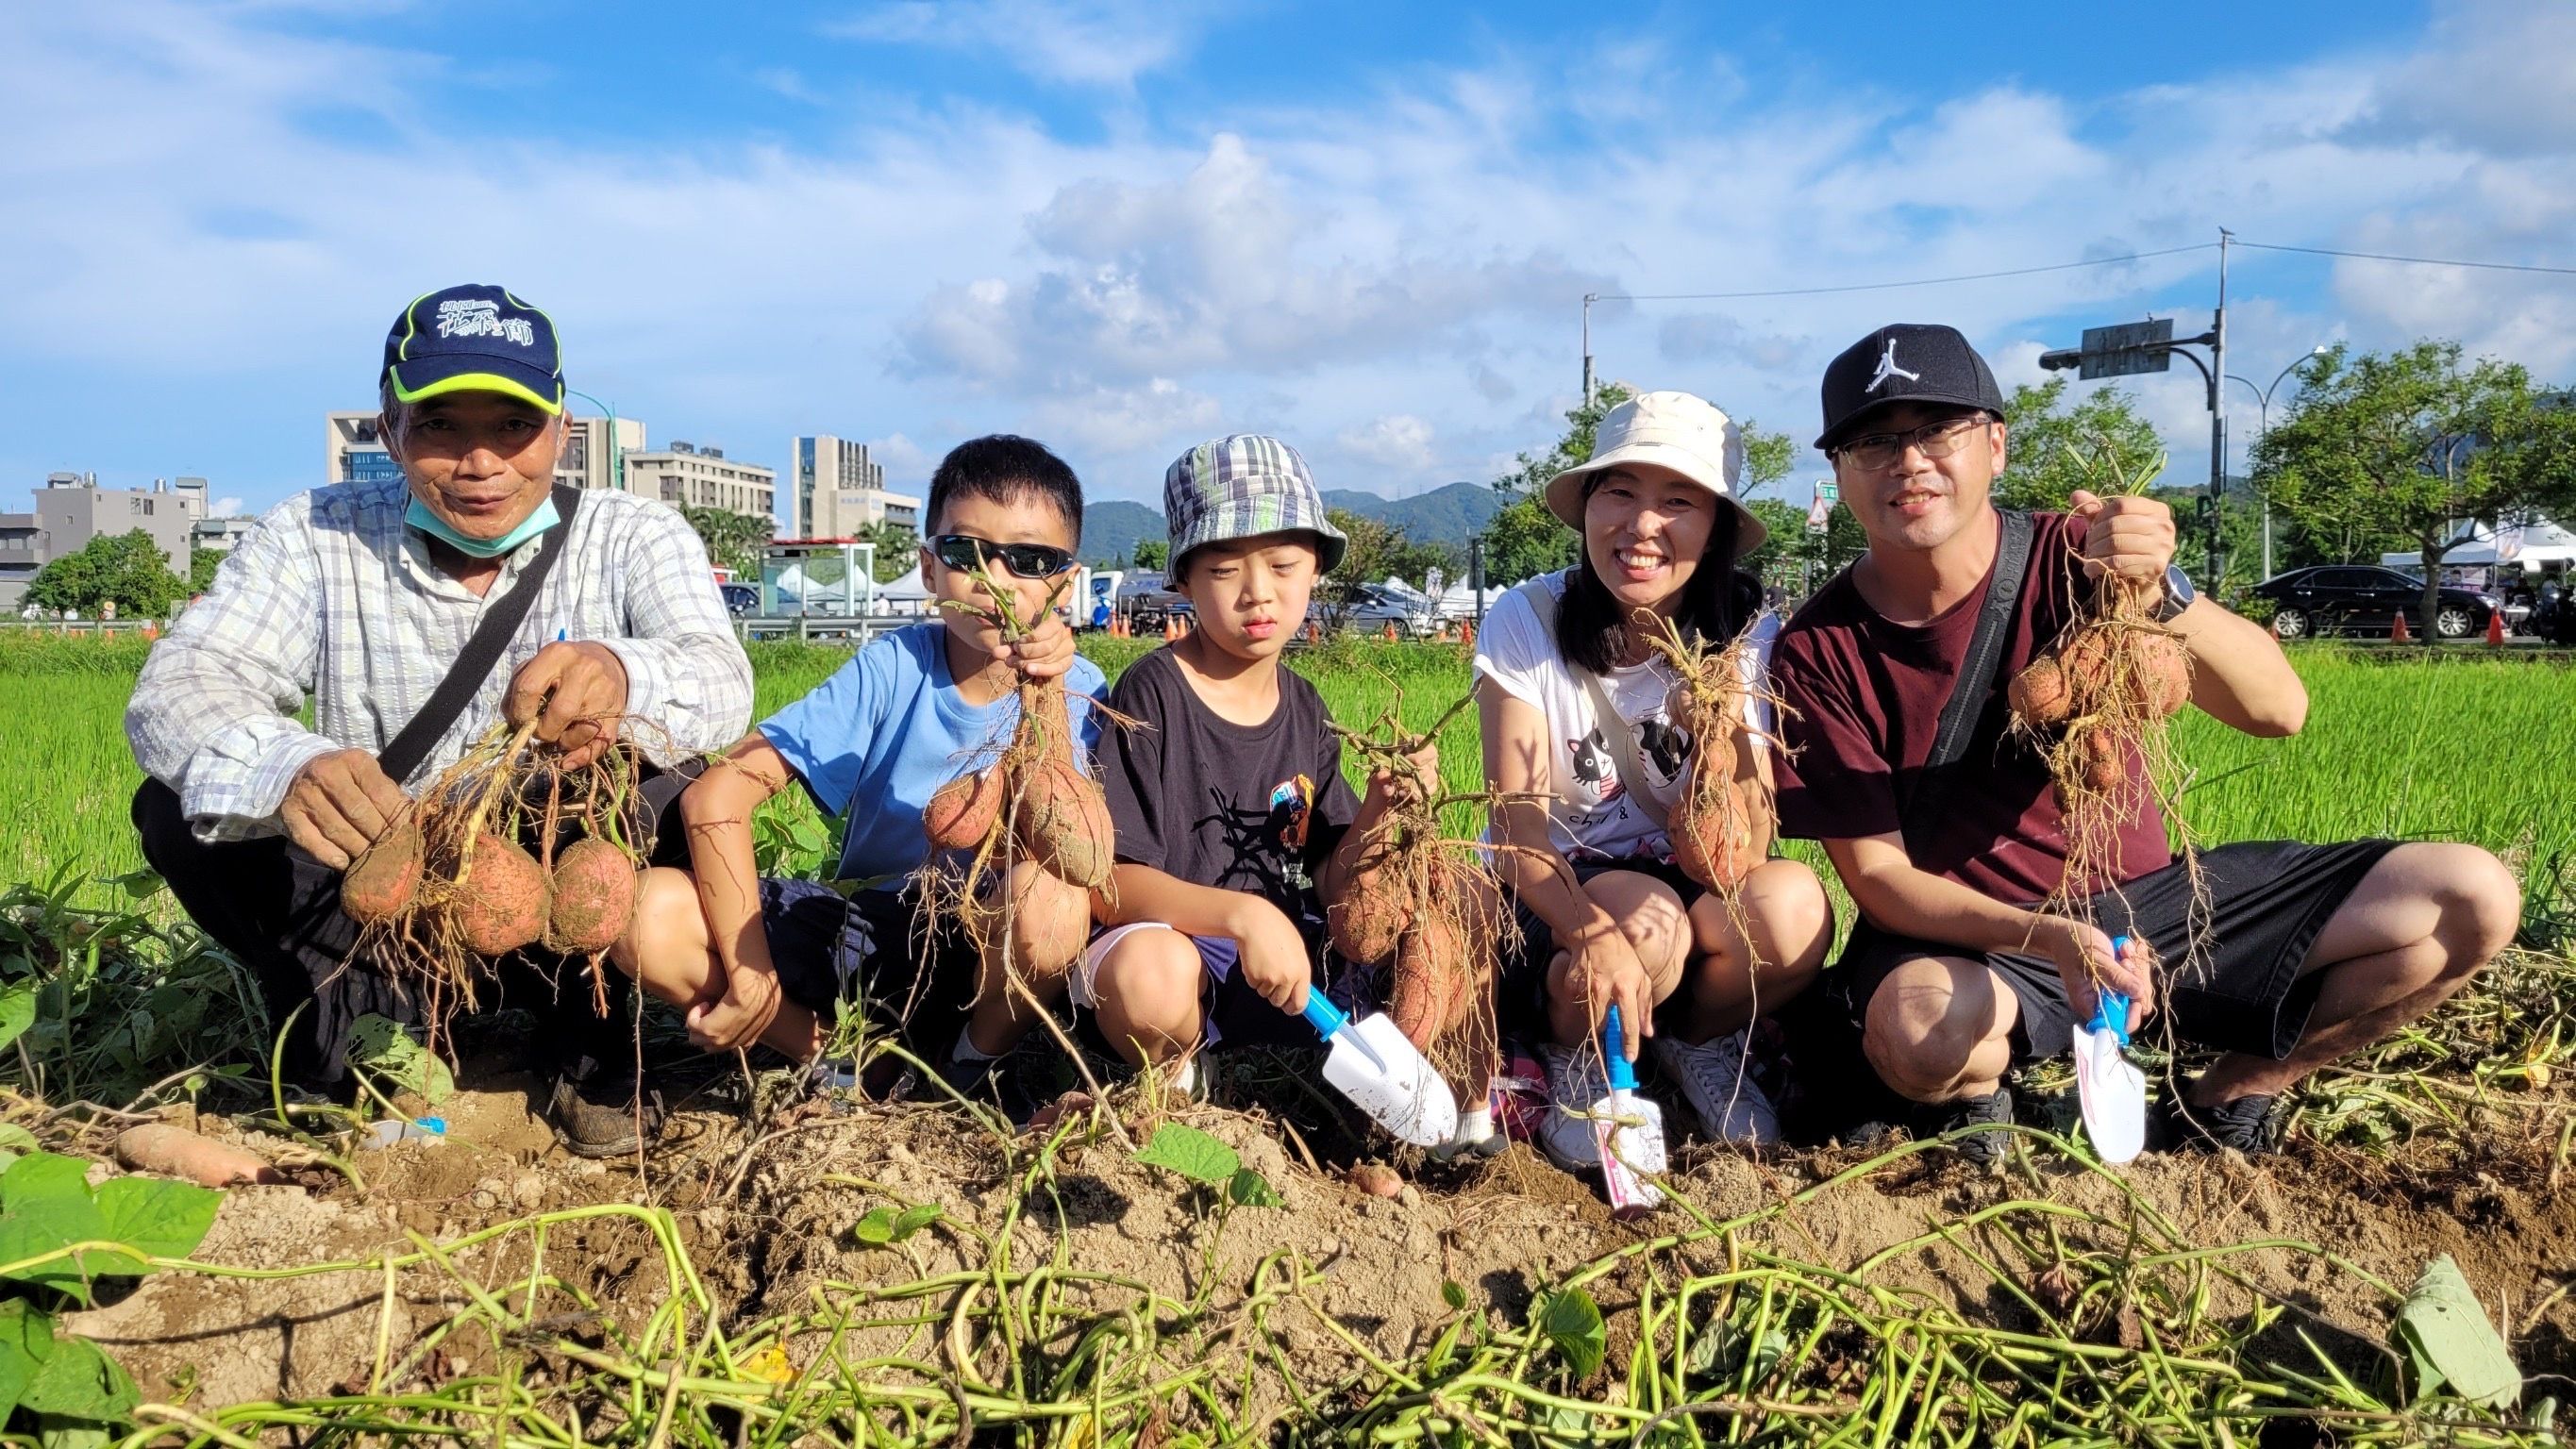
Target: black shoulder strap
[483,650]
[1976,681]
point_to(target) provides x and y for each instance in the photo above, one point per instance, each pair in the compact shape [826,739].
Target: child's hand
[1392,788]
[1271,955]
[1045,652]
[737,1018]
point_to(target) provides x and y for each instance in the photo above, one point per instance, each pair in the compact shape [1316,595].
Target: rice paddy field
[1146,1272]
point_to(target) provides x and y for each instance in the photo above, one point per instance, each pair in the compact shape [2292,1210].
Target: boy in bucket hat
[1235,827]
[1940,818]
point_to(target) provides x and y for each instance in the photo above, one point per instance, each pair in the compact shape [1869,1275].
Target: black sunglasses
[1028,560]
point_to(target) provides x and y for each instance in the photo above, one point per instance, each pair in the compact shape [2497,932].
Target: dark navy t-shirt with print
[1253,808]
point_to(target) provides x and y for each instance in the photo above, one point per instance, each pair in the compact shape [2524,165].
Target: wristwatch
[2178,594]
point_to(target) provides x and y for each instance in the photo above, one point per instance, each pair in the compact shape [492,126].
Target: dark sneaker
[1983,1149]
[599,1117]
[2245,1124]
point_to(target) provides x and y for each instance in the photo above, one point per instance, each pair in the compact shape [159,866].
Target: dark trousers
[277,910]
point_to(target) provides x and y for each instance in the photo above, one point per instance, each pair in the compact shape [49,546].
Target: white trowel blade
[1408,1099]
[2113,1093]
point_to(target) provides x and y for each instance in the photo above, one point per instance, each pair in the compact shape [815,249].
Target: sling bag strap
[1976,681]
[1615,730]
[482,651]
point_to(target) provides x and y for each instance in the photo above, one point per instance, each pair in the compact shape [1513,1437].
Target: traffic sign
[2129,347]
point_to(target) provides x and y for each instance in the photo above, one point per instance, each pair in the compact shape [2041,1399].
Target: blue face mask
[419,516]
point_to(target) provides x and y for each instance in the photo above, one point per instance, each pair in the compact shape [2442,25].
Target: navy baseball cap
[1914,362]
[474,338]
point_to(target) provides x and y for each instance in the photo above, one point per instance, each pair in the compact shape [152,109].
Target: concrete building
[71,509]
[835,489]
[686,476]
[222,535]
[355,454]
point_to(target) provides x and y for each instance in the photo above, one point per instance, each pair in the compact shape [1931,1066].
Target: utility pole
[2218,423]
[1588,299]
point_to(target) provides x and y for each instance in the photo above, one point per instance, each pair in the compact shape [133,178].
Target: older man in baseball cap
[2280,955]
[415,612]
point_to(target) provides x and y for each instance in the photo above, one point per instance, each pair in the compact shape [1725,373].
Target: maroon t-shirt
[1864,696]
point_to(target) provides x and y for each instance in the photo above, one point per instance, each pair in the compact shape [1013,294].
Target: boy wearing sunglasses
[769,960]
[1234,822]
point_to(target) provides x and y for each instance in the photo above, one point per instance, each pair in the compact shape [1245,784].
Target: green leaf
[1191,1153]
[54,1431]
[1248,1188]
[17,1138]
[46,1204]
[76,1381]
[1572,1321]
[156,1217]
[384,1047]
[1453,1295]
[884,1226]
[18,1010]
[26,1338]
[2445,1331]
[141,885]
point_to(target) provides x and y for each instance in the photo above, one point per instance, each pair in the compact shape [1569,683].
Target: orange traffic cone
[152,631]
[2398,633]
[1467,633]
[1390,631]
[2495,627]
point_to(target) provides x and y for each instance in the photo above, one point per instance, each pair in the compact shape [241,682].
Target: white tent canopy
[2530,548]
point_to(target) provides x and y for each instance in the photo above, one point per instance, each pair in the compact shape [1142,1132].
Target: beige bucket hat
[1673,430]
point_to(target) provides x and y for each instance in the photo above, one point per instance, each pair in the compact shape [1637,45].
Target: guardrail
[83,626]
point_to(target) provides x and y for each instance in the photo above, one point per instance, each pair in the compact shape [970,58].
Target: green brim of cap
[477,382]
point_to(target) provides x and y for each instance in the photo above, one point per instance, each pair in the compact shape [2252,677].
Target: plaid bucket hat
[1241,487]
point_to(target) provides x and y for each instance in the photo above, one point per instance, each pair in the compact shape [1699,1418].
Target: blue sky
[1124,226]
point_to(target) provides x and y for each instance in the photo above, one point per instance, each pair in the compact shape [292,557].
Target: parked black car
[741,600]
[2366,599]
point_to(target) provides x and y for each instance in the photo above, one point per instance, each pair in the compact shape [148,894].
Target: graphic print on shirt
[1292,805]
[1593,769]
[1667,746]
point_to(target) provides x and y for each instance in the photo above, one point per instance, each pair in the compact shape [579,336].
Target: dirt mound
[814,1247]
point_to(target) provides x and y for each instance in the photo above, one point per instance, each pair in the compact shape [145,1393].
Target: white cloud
[1398,441]
[228,506]
[1073,42]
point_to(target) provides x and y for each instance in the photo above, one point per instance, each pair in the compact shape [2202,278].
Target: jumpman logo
[1887,368]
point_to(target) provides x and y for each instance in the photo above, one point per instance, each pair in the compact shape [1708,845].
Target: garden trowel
[2111,1089]
[1383,1074]
[1628,1130]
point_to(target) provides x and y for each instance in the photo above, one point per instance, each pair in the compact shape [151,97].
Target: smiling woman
[1588,730]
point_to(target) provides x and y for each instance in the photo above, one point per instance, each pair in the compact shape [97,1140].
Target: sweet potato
[178,1152]
[963,810]
[2039,694]
[1430,972]
[2085,664]
[1371,916]
[386,879]
[1064,824]
[1713,836]
[2163,668]
[501,900]
[591,898]
[1374,1178]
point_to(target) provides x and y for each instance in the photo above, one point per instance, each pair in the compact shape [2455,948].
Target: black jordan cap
[1916,362]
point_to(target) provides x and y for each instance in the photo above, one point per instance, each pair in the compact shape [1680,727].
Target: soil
[766,1219]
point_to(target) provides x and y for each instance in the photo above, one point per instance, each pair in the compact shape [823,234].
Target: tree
[733,540]
[2053,448]
[1377,551]
[897,547]
[128,568]
[202,564]
[1152,553]
[2413,445]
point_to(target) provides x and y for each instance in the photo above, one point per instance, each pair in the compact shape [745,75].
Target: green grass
[2443,746]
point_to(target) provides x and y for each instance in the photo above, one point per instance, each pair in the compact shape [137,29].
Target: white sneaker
[1575,1083]
[1716,1078]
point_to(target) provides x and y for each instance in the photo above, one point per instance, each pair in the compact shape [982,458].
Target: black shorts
[876,950]
[2268,899]
[1520,993]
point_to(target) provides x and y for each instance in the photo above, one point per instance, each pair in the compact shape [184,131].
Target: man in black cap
[414,612]
[1946,831]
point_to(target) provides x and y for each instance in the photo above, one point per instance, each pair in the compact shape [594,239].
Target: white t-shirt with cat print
[1589,817]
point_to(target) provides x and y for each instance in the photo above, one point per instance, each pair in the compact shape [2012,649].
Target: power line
[2417,261]
[1890,286]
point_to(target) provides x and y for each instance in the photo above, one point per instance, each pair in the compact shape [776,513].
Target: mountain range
[1448,515]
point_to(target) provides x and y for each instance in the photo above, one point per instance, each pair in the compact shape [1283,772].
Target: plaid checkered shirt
[333,597]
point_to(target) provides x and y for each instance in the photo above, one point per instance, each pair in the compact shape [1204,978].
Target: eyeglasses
[1937,440]
[1028,560]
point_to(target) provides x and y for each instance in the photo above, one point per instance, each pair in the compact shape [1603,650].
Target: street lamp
[616,454]
[2264,395]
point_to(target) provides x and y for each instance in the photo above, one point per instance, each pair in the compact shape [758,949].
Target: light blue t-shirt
[877,740]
